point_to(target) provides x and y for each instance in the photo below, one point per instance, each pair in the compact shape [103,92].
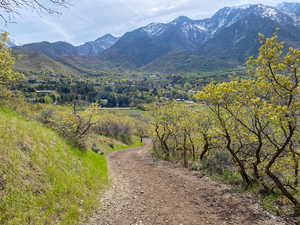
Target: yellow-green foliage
[176,130]
[43,179]
[7,75]
[92,120]
[115,126]
[252,127]
[6,62]
[258,119]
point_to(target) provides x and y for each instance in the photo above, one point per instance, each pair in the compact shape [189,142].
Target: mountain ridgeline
[225,40]
[60,48]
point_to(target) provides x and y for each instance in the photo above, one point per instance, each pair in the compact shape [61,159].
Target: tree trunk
[275,179]
[205,147]
[242,169]
[284,191]
[296,164]
[185,161]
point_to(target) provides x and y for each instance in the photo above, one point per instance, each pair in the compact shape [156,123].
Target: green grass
[108,145]
[136,143]
[269,202]
[43,179]
[123,112]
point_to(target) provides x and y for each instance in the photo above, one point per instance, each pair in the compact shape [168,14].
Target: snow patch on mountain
[154,29]
[269,12]
[188,27]
[292,9]
[93,48]
[200,27]
[225,18]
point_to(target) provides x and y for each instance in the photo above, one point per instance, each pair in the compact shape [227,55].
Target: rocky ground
[149,192]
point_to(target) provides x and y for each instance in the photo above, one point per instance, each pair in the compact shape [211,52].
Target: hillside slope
[43,179]
[29,61]
[184,62]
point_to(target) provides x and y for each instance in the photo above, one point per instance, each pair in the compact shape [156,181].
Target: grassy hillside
[91,65]
[37,63]
[43,179]
[174,62]
[186,62]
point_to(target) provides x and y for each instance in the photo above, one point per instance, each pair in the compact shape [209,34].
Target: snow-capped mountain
[228,16]
[235,32]
[292,9]
[147,43]
[94,48]
[232,32]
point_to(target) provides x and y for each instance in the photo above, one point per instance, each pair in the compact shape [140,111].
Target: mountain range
[60,48]
[225,40]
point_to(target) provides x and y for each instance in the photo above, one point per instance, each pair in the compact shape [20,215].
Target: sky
[87,20]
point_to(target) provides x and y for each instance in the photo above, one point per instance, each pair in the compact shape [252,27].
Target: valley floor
[148,192]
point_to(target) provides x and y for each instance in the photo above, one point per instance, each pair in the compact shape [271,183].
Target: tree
[48,100]
[8,8]
[73,125]
[7,73]
[175,132]
[280,69]
[112,125]
[258,118]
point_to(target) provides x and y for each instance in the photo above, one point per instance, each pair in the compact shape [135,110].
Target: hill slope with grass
[44,179]
[34,62]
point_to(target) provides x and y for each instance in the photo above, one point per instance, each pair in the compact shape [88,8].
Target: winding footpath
[148,192]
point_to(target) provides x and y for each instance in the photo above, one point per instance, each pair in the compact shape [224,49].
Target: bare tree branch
[10,8]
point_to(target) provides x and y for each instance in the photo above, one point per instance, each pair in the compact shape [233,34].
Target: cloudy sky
[86,20]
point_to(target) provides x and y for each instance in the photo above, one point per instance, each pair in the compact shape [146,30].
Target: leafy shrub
[120,128]
[46,115]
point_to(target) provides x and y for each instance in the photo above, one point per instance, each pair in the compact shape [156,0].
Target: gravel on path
[148,192]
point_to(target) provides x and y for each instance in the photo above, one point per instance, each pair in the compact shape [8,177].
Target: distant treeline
[117,90]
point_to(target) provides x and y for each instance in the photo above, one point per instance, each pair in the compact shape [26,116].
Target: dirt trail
[145,192]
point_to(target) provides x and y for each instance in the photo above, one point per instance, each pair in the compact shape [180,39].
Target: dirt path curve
[145,192]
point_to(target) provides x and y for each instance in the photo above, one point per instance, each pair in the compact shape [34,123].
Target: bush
[46,115]
[120,128]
